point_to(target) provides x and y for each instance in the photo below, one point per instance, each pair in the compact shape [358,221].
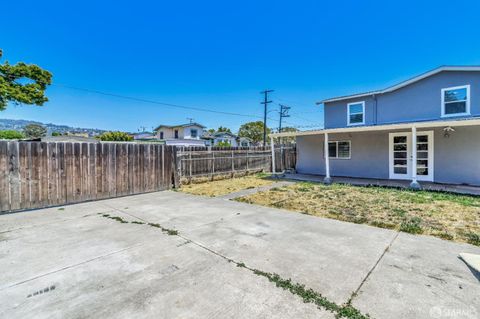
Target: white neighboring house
[225,137]
[181,135]
[232,139]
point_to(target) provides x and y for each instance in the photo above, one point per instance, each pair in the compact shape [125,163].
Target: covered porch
[438,155]
[451,188]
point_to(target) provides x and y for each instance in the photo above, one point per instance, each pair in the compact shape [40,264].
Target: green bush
[116,137]
[34,131]
[11,135]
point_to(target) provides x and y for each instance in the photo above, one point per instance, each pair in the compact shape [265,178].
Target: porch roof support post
[414,184]
[327,179]
[273,154]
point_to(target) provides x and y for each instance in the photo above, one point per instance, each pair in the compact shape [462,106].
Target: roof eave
[403,83]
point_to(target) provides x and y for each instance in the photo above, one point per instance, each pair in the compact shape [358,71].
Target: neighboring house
[144,136]
[245,142]
[182,135]
[225,137]
[423,129]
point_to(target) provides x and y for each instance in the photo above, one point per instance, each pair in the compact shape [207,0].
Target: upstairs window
[356,113]
[176,133]
[161,135]
[193,133]
[456,101]
[339,150]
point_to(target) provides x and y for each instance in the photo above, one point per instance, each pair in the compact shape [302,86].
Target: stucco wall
[420,101]
[456,159]
[369,155]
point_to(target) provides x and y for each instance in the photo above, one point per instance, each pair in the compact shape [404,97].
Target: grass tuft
[412,226]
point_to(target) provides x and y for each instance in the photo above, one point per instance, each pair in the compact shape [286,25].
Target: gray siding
[420,101]
[456,159]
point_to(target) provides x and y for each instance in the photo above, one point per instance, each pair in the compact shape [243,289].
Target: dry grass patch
[226,186]
[448,216]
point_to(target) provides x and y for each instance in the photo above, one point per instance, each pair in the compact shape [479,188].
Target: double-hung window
[339,149]
[193,133]
[356,113]
[456,101]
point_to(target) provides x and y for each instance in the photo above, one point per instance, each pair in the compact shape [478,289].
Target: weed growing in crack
[137,222]
[311,296]
[241,265]
[171,232]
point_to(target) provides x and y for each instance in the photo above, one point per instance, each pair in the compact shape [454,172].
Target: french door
[401,156]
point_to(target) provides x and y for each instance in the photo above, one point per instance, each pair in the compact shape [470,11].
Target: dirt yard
[448,216]
[227,186]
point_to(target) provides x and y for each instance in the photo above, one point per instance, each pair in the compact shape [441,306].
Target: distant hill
[18,125]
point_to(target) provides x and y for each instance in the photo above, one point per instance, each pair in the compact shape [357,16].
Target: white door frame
[410,165]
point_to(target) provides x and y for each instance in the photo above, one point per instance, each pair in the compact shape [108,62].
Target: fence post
[213,164]
[233,164]
[273,155]
[190,164]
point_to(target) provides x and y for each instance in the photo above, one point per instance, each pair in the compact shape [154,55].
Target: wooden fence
[194,162]
[39,174]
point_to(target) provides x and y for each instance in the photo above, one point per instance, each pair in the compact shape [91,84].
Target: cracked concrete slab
[102,268]
[421,277]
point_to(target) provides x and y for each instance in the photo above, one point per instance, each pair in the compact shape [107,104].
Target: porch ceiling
[370,128]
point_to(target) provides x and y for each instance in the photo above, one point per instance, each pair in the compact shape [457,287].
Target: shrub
[116,137]
[34,131]
[11,135]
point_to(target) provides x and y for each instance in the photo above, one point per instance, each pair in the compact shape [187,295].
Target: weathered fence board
[39,174]
[208,162]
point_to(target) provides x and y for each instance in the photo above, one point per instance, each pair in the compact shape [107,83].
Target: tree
[224,129]
[32,92]
[290,139]
[253,130]
[34,131]
[116,137]
[224,144]
[11,135]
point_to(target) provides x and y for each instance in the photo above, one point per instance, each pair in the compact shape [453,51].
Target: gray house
[423,129]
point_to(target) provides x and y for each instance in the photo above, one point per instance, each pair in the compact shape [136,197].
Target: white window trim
[363,113]
[336,155]
[467,101]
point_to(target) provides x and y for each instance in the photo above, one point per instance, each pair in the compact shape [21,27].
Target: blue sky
[220,54]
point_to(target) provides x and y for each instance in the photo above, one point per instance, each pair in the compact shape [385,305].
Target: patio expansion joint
[355,293]
[296,289]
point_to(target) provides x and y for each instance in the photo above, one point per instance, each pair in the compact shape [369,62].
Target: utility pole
[265,103]
[283,113]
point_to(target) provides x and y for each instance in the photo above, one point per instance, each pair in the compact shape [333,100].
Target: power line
[173,105]
[194,108]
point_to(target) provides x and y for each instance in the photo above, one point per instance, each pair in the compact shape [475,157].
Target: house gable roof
[402,84]
[217,134]
[180,125]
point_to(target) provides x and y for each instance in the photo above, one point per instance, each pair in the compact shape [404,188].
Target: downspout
[375,110]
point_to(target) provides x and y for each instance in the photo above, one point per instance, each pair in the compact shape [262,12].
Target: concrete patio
[75,263]
[452,188]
